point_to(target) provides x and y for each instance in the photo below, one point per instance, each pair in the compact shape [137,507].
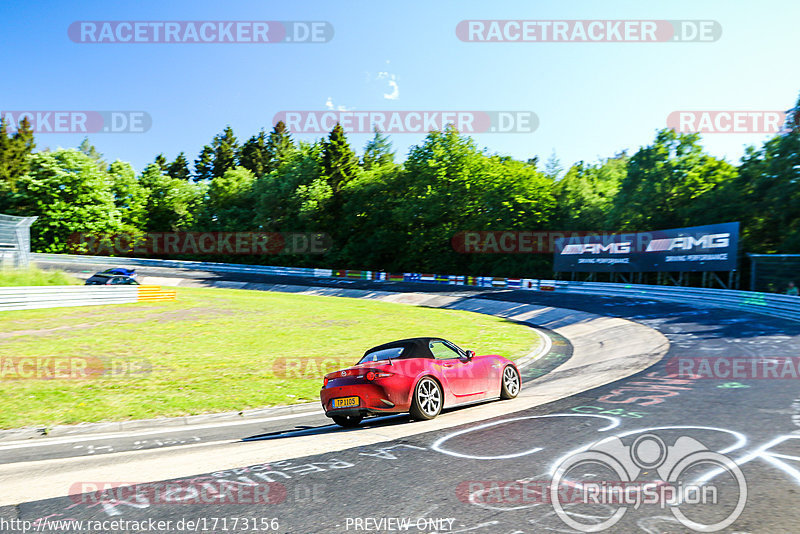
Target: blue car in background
[120,271]
[115,276]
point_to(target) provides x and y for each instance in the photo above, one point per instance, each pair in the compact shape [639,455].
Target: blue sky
[592,99]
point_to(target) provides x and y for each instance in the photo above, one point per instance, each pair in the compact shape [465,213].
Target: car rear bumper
[373,399]
[357,412]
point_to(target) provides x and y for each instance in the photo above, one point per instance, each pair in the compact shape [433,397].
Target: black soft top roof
[413,347]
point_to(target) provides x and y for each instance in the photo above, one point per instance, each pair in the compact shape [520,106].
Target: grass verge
[212,350]
[36,277]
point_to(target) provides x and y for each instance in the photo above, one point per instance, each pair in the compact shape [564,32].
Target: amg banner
[700,248]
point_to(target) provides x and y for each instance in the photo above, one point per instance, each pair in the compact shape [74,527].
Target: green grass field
[213,350]
[35,277]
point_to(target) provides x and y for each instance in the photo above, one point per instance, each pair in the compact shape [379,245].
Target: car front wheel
[428,400]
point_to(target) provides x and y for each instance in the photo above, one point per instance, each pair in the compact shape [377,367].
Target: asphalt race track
[486,477]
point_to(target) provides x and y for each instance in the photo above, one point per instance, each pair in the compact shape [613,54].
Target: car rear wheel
[509,385]
[428,400]
[347,421]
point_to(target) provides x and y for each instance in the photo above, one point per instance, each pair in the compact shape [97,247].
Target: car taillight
[372,375]
[325,381]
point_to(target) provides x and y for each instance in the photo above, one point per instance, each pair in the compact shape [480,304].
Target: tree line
[385,215]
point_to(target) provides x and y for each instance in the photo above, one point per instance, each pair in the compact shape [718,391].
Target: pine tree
[279,145]
[5,160]
[377,152]
[14,152]
[339,162]
[89,149]
[226,151]
[204,164]
[792,123]
[24,137]
[23,145]
[179,168]
[553,168]
[253,155]
[161,161]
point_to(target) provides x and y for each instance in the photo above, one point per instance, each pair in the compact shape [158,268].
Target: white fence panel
[31,297]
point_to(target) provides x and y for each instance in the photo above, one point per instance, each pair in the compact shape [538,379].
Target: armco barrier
[30,297]
[784,306]
[181,264]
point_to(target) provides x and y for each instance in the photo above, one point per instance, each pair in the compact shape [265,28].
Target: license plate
[345,402]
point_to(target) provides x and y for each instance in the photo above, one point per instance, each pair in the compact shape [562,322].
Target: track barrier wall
[784,306]
[31,297]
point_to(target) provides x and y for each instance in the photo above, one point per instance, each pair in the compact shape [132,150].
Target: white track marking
[543,350]
[437,445]
[44,442]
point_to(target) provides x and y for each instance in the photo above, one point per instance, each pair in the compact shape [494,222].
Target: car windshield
[382,355]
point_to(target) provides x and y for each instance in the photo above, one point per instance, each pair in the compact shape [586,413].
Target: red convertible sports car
[420,376]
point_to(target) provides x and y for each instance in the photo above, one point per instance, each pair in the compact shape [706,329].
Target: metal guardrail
[184,264]
[29,297]
[784,306]
[32,297]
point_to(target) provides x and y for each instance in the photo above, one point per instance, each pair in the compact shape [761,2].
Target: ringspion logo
[676,487]
[199,31]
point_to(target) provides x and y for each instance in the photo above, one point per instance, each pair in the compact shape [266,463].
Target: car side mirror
[470,354]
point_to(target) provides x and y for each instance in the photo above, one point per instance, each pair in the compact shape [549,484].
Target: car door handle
[448,365]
